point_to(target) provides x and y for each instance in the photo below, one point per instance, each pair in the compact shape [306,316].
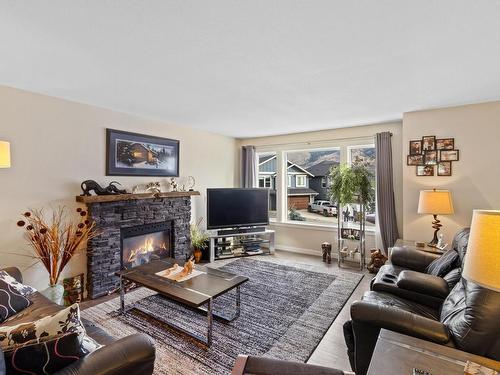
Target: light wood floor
[331,351]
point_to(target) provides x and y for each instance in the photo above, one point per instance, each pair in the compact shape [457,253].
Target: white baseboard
[299,250]
[318,253]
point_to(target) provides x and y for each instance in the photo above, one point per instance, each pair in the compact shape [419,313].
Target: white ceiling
[255,67]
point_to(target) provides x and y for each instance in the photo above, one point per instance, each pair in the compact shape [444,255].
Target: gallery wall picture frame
[445,144]
[444,168]
[425,170]
[134,154]
[428,143]
[415,159]
[430,157]
[449,155]
[416,147]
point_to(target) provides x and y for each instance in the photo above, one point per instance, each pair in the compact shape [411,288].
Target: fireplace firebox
[142,243]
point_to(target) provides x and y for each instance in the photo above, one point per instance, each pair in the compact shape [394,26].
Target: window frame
[301,176]
[281,182]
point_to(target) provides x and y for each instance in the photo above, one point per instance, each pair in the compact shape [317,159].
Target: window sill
[311,226]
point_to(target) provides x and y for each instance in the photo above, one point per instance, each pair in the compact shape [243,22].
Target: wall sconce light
[4,154]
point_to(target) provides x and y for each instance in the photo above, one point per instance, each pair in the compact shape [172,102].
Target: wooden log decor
[128,197]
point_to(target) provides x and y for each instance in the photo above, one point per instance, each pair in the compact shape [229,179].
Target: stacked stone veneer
[104,252]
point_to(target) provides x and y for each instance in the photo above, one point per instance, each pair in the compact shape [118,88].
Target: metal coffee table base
[209,311]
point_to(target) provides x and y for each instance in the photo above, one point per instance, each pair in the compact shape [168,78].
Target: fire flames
[146,249]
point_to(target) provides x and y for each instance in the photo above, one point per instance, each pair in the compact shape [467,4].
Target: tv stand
[238,231]
[241,244]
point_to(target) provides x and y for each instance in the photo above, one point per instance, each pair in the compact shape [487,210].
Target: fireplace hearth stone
[104,251]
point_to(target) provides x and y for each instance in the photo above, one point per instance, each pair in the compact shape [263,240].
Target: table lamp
[482,260]
[435,202]
[4,154]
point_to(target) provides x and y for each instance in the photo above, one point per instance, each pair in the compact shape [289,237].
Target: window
[306,181]
[364,155]
[267,177]
[306,170]
[300,181]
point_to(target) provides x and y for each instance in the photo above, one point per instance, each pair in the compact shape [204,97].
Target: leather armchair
[134,354]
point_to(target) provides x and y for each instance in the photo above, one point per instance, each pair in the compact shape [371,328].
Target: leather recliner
[406,274]
[467,319]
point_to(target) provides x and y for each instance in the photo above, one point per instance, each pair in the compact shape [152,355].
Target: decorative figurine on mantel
[174,185]
[191,182]
[90,185]
[153,187]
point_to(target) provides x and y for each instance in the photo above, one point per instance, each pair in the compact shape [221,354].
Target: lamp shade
[435,202]
[4,154]
[482,260]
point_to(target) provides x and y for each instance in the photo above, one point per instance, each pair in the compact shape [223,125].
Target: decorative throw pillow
[21,288]
[11,301]
[444,264]
[45,357]
[65,321]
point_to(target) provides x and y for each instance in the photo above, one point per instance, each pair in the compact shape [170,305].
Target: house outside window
[267,178]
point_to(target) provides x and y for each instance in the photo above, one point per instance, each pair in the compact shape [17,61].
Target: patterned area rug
[285,311]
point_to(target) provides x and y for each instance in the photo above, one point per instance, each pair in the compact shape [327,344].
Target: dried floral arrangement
[55,242]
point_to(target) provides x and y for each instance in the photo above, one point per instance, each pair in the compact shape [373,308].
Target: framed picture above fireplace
[133,154]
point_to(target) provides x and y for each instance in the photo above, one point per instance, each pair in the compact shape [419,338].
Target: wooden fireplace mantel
[129,197]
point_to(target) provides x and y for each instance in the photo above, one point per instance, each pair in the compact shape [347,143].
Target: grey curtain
[248,167]
[385,191]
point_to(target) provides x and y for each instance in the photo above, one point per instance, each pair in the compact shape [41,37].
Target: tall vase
[54,293]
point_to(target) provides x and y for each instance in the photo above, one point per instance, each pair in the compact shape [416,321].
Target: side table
[397,354]
[411,245]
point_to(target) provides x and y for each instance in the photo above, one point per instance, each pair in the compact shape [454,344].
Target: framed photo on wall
[449,155]
[415,160]
[425,170]
[133,154]
[416,147]
[428,143]
[444,168]
[430,157]
[445,144]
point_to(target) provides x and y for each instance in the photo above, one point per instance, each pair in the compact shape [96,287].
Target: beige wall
[56,144]
[297,237]
[476,177]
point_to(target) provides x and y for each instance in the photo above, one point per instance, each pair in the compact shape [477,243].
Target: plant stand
[343,257]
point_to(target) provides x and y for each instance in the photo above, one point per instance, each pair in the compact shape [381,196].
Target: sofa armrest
[14,272]
[416,260]
[423,283]
[268,366]
[134,354]
[399,321]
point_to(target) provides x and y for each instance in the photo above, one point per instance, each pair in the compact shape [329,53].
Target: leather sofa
[134,354]
[466,319]
[250,365]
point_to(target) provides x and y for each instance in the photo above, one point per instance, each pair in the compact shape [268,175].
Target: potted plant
[55,242]
[352,184]
[199,240]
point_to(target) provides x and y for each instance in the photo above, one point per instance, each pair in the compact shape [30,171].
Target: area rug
[285,311]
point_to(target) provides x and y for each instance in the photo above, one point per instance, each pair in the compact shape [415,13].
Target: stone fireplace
[135,228]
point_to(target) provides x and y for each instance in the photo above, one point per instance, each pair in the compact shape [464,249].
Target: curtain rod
[316,142]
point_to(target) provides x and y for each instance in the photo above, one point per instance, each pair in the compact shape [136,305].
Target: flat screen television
[233,208]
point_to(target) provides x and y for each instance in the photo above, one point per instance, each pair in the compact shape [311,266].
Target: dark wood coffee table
[193,293]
